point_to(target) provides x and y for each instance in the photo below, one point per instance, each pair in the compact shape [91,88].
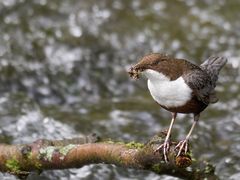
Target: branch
[75,153]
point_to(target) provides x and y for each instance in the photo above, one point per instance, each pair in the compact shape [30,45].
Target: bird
[179,86]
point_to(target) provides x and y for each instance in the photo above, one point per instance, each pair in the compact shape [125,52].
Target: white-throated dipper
[179,87]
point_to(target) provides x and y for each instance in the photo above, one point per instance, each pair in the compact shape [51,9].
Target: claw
[165,146]
[183,146]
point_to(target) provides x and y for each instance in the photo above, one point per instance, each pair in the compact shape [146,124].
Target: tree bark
[74,153]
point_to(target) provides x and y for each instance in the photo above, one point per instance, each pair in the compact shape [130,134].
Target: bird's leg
[165,145]
[183,145]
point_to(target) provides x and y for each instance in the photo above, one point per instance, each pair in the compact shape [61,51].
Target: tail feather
[212,66]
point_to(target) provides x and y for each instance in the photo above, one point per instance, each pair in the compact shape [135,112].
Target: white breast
[165,92]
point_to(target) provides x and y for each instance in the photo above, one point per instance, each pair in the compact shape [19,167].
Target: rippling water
[63,73]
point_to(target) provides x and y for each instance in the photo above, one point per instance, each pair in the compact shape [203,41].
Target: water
[63,73]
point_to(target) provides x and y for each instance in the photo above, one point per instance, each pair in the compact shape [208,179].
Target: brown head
[165,64]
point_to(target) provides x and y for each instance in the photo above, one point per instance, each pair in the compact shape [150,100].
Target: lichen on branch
[74,153]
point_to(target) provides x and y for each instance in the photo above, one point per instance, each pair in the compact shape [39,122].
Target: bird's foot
[182,146]
[165,146]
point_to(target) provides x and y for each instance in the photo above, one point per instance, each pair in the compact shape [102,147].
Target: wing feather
[201,84]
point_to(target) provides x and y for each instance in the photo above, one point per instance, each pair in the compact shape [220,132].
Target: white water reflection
[69,58]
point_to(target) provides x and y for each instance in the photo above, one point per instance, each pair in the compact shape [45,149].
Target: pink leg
[165,145]
[183,145]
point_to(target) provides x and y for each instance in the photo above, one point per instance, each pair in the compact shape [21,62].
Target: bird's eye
[156,62]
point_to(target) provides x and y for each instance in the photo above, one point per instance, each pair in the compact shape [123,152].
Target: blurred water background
[63,73]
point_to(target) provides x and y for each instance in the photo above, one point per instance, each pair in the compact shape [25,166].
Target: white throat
[166,92]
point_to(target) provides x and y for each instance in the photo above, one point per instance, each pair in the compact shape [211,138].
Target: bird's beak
[135,71]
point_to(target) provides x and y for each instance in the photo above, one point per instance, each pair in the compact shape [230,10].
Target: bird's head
[150,65]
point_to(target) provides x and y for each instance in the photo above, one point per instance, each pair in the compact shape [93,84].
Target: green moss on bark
[134,145]
[13,165]
[156,168]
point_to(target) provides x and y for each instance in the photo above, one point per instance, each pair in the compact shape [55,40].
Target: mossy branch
[75,153]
